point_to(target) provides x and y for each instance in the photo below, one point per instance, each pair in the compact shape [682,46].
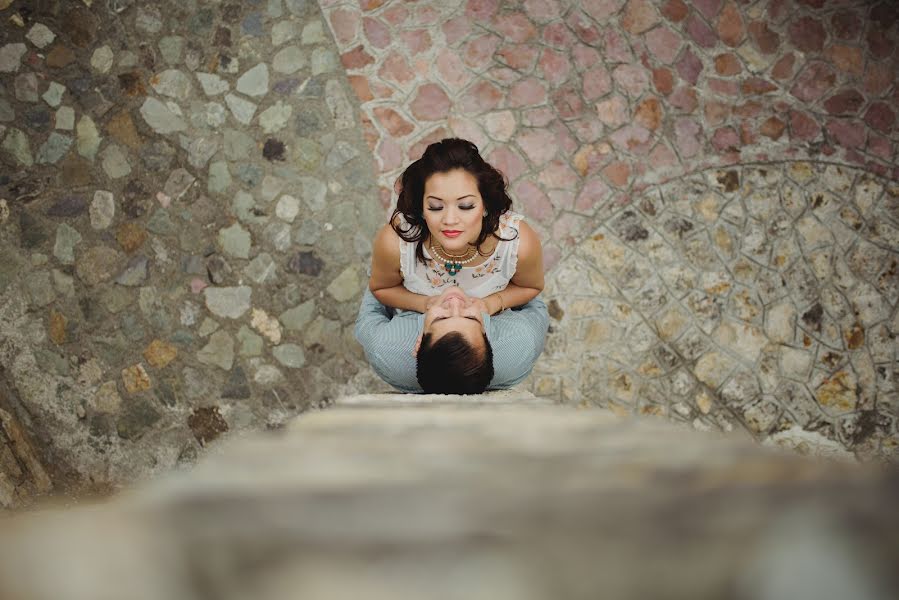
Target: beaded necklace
[453,264]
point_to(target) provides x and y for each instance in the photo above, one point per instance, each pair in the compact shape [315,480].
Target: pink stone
[766,40]
[554,65]
[381,90]
[716,112]
[878,43]
[664,44]
[538,117]
[356,58]
[633,78]
[597,82]
[543,10]
[163,199]
[730,25]
[480,98]
[612,112]
[846,58]
[451,69]
[773,128]
[368,5]
[783,69]
[396,15]
[687,137]
[724,87]
[846,25]
[803,127]
[701,33]
[807,34]
[593,195]
[631,138]
[567,102]
[345,23]
[583,27]
[391,120]
[478,52]
[360,87]
[527,92]
[395,68]
[508,162]
[430,104]
[727,64]
[539,145]
[585,57]
[427,15]
[518,56]
[639,16]
[568,229]
[501,75]
[684,98]
[618,173]
[514,27]
[848,134]
[615,47]
[370,133]
[551,257]
[689,66]
[481,10]
[587,129]
[662,156]
[757,86]
[564,140]
[468,129]
[456,29]
[376,32]
[778,10]
[417,41]
[557,174]
[663,80]
[533,202]
[390,154]
[500,125]
[880,146]
[813,82]
[675,10]
[708,8]
[846,102]
[601,9]
[197,285]
[725,138]
[557,35]
[748,109]
[881,117]
[878,78]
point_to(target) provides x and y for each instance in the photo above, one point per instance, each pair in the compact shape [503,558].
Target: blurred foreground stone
[497,497]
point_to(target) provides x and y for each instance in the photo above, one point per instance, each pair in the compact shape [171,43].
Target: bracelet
[502,305]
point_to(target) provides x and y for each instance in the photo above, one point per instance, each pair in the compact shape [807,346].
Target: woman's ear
[417,345]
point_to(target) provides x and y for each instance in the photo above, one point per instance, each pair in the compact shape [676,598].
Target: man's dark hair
[451,365]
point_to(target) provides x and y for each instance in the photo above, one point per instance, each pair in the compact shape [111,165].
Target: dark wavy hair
[451,365]
[440,157]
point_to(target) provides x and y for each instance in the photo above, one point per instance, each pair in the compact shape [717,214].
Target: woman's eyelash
[466,207]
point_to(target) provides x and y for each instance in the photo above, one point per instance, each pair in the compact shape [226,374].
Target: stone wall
[186,218]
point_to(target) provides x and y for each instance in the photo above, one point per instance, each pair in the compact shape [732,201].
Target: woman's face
[453,209]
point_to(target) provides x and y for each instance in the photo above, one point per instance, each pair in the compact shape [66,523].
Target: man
[512,341]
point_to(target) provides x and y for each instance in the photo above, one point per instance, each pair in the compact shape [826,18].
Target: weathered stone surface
[135,379]
[218,352]
[228,302]
[160,353]
[160,118]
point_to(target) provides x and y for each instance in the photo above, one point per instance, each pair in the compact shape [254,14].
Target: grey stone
[238,145]
[307,154]
[173,83]
[307,263]
[289,60]
[157,155]
[7,113]
[274,9]
[193,264]
[323,61]
[97,264]
[275,117]
[214,114]
[138,417]
[346,285]
[11,57]
[56,146]
[218,269]
[37,119]
[39,288]
[179,181]
[252,25]
[228,302]
[65,118]
[114,162]
[290,355]
[135,272]
[340,154]
[68,206]
[66,240]
[16,145]
[51,362]
[287,208]
[313,33]
[271,187]
[207,327]
[242,109]
[127,58]
[129,323]
[102,209]
[101,60]
[296,318]
[26,86]
[219,179]
[284,31]
[88,138]
[212,84]
[40,35]
[250,342]
[244,206]
[160,223]
[200,150]
[277,235]
[237,387]
[250,174]
[64,284]
[254,82]
[171,47]
[149,19]
[53,95]
[262,269]
[314,192]
[160,118]
[341,109]
[219,351]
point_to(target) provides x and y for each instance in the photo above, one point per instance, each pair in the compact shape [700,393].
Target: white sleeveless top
[493,275]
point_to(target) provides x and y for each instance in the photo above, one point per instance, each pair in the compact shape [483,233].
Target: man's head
[453,354]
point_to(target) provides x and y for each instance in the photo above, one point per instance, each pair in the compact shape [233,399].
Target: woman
[453,226]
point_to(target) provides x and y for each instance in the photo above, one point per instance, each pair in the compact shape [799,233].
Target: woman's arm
[386,282]
[527,281]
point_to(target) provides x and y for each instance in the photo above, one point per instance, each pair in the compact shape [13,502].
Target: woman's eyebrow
[433,197]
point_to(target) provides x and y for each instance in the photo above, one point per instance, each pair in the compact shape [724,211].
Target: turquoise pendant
[452,268]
